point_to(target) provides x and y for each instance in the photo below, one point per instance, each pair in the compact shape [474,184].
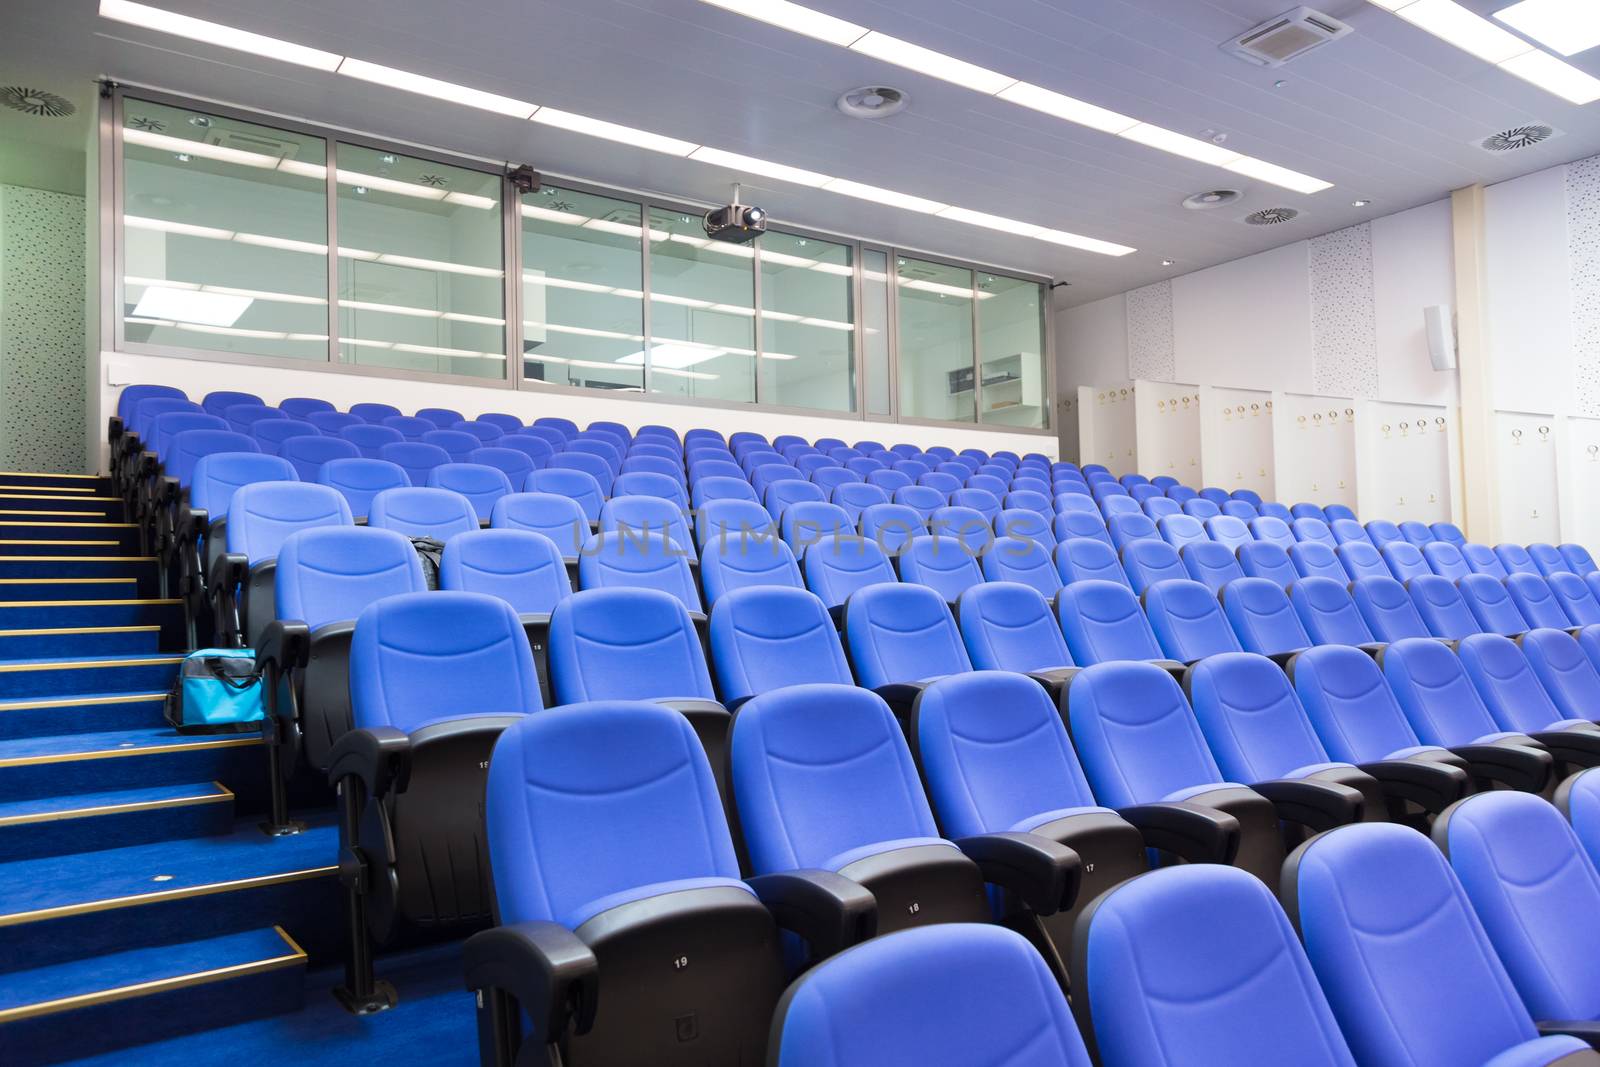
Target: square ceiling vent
[1289,36]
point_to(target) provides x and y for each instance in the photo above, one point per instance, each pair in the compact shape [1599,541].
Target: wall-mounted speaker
[1441,329]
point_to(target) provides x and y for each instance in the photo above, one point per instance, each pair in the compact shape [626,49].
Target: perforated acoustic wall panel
[1151,343]
[1583,236]
[1343,323]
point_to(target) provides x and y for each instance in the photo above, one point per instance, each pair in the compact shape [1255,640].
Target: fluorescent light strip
[439,90]
[1567,26]
[153,18]
[914,57]
[733,161]
[1472,33]
[610,131]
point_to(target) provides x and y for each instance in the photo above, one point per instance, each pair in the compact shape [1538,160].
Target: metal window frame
[112,274]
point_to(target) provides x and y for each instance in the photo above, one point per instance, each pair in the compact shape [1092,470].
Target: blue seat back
[514,463]
[1183,494]
[1008,626]
[779,495]
[579,485]
[1181,530]
[1579,561]
[717,487]
[1338,511]
[1313,559]
[128,400]
[625,643]
[559,518]
[1102,622]
[480,484]
[1483,560]
[298,407]
[186,449]
[1158,945]
[1136,735]
[422,511]
[566,427]
[362,479]
[242,418]
[1405,560]
[262,515]
[1445,560]
[1080,524]
[1262,616]
[1515,559]
[944,483]
[890,481]
[1346,530]
[1507,683]
[1157,507]
[633,775]
[1314,530]
[332,573]
[645,483]
[1252,719]
[219,401]
[147,410]
[1448,532]
[1080,559]
[1327,612]
[1402,958]
[941,563]
[856,497]
[418,659]
[1148,562]
[582,462]
[1350,705]
[1387,609]
[1128,528]
[308,454]
[218,476]
[1575,598]
[1566,673]
[1434,691]
[1241,510]
[1538,605]
[925,500]
[1263,559]
[1027,524]
[648,514]
[732,521]
[1187,620]
[412,428]
[163,427]
[373,412]
[1383,532]
[838,566]
[521,567]
[457,443]
[806,522]
[1490,604]
[901,633]
[891,526]
[1277,511]
[1416,533]
[415,458]
[1211,564]
[1119,504]
[1547,558]
[1276,531]
[506,424]
[767,637]
[1227,530]
[369,438]
[636,559]
[741,562]
[1361,560]
[331,422]
[1013,559]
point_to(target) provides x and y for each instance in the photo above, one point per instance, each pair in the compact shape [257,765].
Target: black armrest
[1520,767]
[1315,804]
[1043,873]
[166,491]
[113,429]
[831,912]
[148,464]
[1434,786]
[192,522]
[1581,748]
[380,756]
[1192,832]
[1582,1029]
[285,645]
[553,976]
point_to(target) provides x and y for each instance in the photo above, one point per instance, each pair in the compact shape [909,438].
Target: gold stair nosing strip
[226,794]
[65,630]
[85,664]
[240,741]
[74,525]
[160,601]
[68,581]
[159,896]
[158,985]
[45,488]
[46,474]
[77,559]
[69,541]
[74,514]
[28,492]
[75,701]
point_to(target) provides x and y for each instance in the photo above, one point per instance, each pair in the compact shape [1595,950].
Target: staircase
[138,899]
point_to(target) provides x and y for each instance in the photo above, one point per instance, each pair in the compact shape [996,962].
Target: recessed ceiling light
[934,64]
[1568,26]
[434,87]
[1360,203]
[1554,76]
[154,18]
[1167,262]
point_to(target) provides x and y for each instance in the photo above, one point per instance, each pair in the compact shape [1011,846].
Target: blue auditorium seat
[830,478]
[308,454]
[644,483]
[507,424]
[415,458]
[806,522]
[731,521]
[657,431]
[1329,615]
[362,479]
[559,518]
[412,428]
[1119,504]
[1403,960]
[566,427]
[1314,559]
[1263,618]
[601,448]
[995,487]
[1311,529]
[1187,620]
[162,429]
[1490,604]
[1210,563]
[581,462]
[460,444]
[891,526]
[779,495]
[1534,599]
[298,407]
[1308,511]
[1274,531]
[701,435]
[369,438]
[1144,492]
[1444,708]
[579,485]
[1007,626]
[1566,673]
[1028,500]
[443,418]
[1229,531]
[856,497]
[718,487]
[1082,558]
[850,1011]
[331,422]
[1242,510]
[1140,745]
[1356,715]
[1157,507]
[636,516]
[1448,532]
[836,567]
[1387,609]
[261,516]
[590,918]
[521,567]
[1515,559]
[198,535]
[899,637]
[1215,495]
[738,562]
[242,418]
[1576,598]
[423,512]
[1183,494]
[219,401]
[1151,561]
[1181,530]
[1361,560]
[1445,560]
[890,481]
[1156,946]
[1275,510]
[720,467]
[1102,622]
[1416,533]
[1338,511]
[1547,558]
[1263,559]
[643,561]
[482,485]
[985,503]
[923,499]
[1483,560]
[767,637]
[644,459]
[1519,701]
[1579,561]
[1127,528]
[1404,560]
[941,563]
[944,484]
[1344,530]
[1015,559]
[514,464]
[1383,532]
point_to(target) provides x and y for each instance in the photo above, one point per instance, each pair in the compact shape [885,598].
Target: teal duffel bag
[218,691]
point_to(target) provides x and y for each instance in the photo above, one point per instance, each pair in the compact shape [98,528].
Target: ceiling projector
[737,223]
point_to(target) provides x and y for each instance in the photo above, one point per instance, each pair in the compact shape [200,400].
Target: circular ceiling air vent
[1516,138]
[1213,198]
[1271,216]
[873,102]
[36,102]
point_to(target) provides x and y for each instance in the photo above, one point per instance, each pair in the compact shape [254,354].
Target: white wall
[1246,324]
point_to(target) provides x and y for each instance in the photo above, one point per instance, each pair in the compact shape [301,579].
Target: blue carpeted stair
[138,899]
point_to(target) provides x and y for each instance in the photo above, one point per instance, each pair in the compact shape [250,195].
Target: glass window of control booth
[935,340]
[225,237]
[702,312]
[421,265]
[807,323]
[582,290]
[1011,352]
